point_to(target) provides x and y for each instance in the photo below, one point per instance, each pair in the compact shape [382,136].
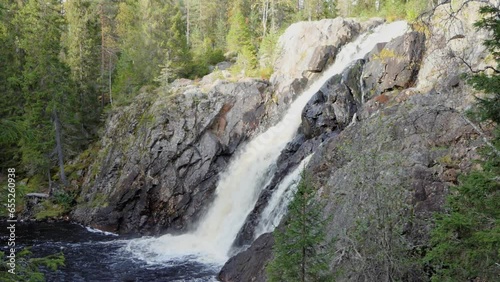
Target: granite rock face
[305,50]
[395,66]
[160,158]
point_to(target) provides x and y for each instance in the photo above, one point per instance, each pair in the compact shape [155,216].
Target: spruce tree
[239,39]
[178,55]
[301,252]
[83,55]
[46,87]
[466,237]
[12,102]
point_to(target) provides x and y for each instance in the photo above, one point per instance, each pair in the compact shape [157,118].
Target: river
[96,256]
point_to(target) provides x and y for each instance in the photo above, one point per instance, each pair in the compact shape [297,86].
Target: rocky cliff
[387,171]
[159,158]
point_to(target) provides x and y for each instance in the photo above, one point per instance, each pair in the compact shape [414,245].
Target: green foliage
[81,42]
[268,52]
[300,251]
[466,238]
[50,209]
[205,55]
[489,106]
[46,87]
[465,242]
[390,9]
[178,53]
[66,199]
[239,40]
[28,267]
[21,190]
[11,131]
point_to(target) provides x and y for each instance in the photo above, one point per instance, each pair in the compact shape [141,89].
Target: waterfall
[277,206]
[249,172]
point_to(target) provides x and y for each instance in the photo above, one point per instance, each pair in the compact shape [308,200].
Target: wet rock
[331,108]
[249,265]
[320,57]
[306,49]
[351,78]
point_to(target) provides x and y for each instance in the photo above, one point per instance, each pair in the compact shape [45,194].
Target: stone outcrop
[306,49]
[397,161]
[395,66]
[236,269]
[331,108]
[300,43]
[160,157]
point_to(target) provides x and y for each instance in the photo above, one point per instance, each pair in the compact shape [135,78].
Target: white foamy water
[278,204]
[249,172]
[94,230]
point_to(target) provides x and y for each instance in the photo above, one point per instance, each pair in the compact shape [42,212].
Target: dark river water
[95,256]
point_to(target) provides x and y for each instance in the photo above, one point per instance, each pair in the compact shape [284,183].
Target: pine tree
[130,69]
[239,39]
[301,252]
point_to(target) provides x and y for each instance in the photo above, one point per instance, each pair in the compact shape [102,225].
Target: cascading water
[249,172]
[277,205]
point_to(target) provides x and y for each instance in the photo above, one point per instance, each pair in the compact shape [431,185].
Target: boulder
[395,66]
[223,65]
[249,265]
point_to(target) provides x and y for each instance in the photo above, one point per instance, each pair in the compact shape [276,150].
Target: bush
[28,268]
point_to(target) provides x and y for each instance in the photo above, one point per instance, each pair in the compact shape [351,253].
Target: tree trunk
[303,270]
[264,17]
[101,16]
[273,16]
[109,81]
[51,192]
[188,21]
[59,150]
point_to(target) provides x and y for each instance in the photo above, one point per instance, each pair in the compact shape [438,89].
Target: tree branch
[470,67]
